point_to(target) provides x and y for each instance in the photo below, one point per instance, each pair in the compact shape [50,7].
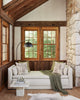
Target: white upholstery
[38,80]
[77,76]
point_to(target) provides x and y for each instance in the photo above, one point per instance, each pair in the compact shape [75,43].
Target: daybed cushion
[36,75]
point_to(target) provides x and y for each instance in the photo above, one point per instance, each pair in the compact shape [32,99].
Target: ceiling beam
[40,23]
[1,3]
[4,16]
[28,9]
[9,5]
[20,6]
[15,5]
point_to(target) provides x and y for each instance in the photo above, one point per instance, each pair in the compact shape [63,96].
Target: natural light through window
[49,44]
[5,42]
[45,42]
[32,37]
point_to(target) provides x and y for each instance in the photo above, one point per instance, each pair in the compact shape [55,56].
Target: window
[50,43]
[31,35]
[5,42]
[45,42]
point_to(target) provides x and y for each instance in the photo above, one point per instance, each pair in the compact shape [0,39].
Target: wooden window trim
[6,25]
[22,44]
[40,43]
[57,43]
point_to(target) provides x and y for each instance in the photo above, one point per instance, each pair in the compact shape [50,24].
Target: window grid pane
[49,42]
[4,57]
[31,36]
[49,37]
[4,44]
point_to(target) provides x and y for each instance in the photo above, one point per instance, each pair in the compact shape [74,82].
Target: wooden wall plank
[1,3]
[4,74]
[41,65]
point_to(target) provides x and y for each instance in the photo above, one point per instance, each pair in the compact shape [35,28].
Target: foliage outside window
[45,42]
[32,37]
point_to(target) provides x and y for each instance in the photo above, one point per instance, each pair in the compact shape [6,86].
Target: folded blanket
[55,80]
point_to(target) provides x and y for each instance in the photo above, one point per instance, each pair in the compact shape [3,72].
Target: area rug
[56,96]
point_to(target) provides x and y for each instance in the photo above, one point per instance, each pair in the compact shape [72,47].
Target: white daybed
[38,80]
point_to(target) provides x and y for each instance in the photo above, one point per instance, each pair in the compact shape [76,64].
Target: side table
[20,87]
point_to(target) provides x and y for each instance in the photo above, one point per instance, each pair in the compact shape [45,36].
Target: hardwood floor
[11,94]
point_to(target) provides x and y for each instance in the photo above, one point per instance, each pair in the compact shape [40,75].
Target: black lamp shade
[28,44]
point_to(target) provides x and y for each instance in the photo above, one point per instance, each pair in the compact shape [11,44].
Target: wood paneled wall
[4,74]
[40,65]
[4,68]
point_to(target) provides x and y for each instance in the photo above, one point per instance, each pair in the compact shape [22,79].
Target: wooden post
[0,38]
[1,3]
[13,43]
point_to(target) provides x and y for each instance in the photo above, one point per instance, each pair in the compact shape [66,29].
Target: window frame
[40,43]
[57,43]
[22,44]
[5,24]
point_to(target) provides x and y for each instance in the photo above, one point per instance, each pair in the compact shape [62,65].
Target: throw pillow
[59,67]
[14,71]
[19,70]
[26,65]
[53,64]
[66,70]
[56,67]
[62,67]
[25,72]
[23,66]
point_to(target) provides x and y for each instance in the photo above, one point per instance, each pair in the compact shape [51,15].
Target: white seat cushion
[64,76]
[37,75]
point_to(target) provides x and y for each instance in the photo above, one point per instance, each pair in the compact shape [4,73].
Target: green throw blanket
[55,80]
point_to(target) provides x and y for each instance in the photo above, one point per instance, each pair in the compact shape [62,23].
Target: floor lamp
[27,44]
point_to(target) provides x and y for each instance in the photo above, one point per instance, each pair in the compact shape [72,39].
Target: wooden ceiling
[18,8]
